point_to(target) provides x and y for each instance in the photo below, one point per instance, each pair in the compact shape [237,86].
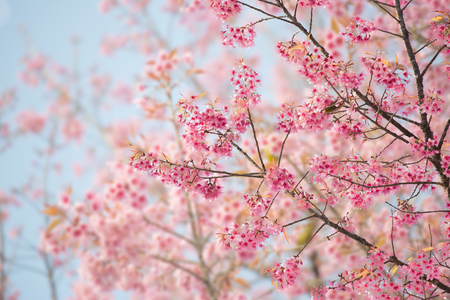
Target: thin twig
[282,147]
[391,33]
[431,61]
[418,212]
[315,233]
[256,140]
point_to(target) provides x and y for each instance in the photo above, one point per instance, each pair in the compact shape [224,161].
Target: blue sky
[50,26]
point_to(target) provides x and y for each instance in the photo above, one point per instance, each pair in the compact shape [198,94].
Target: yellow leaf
[51,210]
[167,158]
[152,75]
[199,96]
[195,71]
[411,248]
[242,282]
[52,225]
[445,63]
[286,235]
[386,63]
[409,259]
[440,244]
[380,242]
[172,53]
[437,19]
[396,59]
[363,273]
[219,226]
[297,47]
[334,25]
[394,269]
[427,249]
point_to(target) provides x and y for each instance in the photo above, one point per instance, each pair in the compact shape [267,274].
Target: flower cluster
[224,8]
[249,236]
[349,128]
[279,179]
[347,224]
[285,274]
[423,149]
[375,279]
[372,179]
[405,217]
[183,176]
[31,121]
[432,104]
[310,63]
[163,64]
[310,116]
[383,73]
[313,3]
[242,36]
[316,67]
[240,121]
[440,31]
[257,204]
[245,80]
[303,200]
[359,31]
[446,165]
[199,123]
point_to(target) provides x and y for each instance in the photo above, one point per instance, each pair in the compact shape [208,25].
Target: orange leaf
[219,227]
[152,75]
[242,282]
[51,210]
[334,25]
[52,225]
[363,273]
[437,19]
[286,235]
[386,63]
[427,249]
[199,96]
[172,53]
[195,71]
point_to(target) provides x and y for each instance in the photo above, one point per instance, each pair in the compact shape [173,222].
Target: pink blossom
[432,104]
[242,36]
[285,274]
[30,121]
[359,31]
[73,129]
[245,80]
[279,179]
[224,9]
[313,3]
